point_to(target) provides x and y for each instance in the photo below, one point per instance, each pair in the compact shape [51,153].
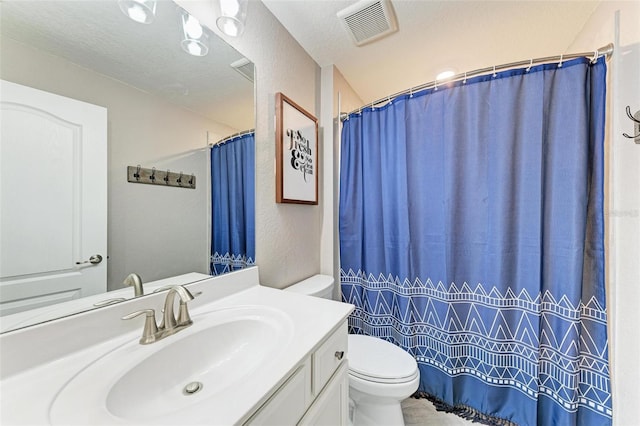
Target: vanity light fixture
[142,11]
[195,39]
[233,14]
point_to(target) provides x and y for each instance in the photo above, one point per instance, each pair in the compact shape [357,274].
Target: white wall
[156,232]
[287,235]
[619,22]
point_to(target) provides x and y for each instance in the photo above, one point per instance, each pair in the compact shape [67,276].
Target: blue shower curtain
[471,235]
[233,204]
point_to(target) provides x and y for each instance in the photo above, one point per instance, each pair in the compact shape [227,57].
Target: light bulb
[194,48]
[142,11]
[230,26]
[229,7]
[193,28]
[233,14]
[194,39]
[136,13]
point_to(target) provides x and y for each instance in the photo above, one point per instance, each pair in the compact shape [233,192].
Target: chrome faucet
[135,281]
[170,325]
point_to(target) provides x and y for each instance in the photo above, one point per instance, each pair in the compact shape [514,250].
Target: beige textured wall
[287,235]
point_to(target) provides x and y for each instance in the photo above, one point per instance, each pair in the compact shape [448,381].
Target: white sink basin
[146,383]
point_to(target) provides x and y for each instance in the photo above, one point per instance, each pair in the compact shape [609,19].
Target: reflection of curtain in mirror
[232,204]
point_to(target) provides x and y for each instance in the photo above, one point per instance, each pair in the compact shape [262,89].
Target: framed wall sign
[296,153]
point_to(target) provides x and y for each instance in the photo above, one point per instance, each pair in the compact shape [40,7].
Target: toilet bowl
[381,374]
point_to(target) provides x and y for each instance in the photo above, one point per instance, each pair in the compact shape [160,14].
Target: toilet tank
[317,285]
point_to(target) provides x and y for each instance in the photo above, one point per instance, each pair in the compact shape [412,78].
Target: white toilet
[381,374]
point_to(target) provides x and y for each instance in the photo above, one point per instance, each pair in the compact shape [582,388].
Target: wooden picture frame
[296,153]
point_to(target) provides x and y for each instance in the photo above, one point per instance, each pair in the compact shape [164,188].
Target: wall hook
[166,177]
[179,180]
[191,180]
[636,125]
[137,173]
[153,174]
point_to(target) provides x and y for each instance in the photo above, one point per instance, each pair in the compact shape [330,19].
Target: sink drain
[191,388]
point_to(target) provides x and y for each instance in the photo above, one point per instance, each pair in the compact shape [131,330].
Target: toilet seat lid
[380,361]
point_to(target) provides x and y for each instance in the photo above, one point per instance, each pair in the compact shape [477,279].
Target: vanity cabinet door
[332,405]
[289,403]
[327,358]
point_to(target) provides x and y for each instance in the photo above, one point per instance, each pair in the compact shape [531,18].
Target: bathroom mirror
[164,105]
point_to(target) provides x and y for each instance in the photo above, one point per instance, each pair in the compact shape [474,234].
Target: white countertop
[31,381]
[51,312]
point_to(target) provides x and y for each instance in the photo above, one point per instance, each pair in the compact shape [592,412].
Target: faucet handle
[184,318]
[150,330]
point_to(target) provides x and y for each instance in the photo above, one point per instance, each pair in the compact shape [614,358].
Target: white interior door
[53,198]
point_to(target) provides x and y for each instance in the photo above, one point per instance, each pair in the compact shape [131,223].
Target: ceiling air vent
[244,67]
[369,20]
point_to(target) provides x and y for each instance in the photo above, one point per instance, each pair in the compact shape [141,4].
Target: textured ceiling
[432,36]
[97,35]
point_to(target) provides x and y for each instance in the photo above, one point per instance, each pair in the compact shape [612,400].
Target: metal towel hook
[636,122]
[153,174]
[631,117]
[137,173]
[166,177]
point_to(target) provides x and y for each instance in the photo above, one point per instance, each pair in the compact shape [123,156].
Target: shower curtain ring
[411,92]
[495,74]
[465,78]
[530,65]
[560,63]
[595,57]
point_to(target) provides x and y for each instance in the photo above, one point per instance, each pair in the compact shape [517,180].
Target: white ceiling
[97,35]
[432,36]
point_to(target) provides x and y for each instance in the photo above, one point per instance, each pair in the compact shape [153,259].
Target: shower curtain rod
[603,51]
[223,140]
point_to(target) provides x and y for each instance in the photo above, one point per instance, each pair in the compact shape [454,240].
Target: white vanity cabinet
[260,355]
[316,393]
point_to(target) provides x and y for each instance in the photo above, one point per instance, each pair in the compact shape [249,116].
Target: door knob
[94,260]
